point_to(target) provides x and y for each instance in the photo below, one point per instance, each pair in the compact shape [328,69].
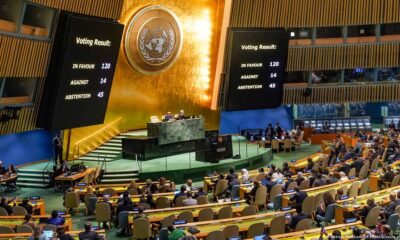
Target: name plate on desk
[177,131]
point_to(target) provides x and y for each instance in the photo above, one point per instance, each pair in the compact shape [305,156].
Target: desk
[302,163]
[7,179]
[315,191]
[242,222]
[343,207]
[74,234]
[157,215]
[375,177]
[345,229]
[14,221]
[73,178]
[208,182]
[38,205]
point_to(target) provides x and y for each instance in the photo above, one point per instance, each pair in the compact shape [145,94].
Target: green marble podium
[177,131]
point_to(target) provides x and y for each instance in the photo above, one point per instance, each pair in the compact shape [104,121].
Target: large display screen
[255,69]
[81,72]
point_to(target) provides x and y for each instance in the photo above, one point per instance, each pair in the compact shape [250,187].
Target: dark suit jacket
[296,219]
[299,197]
[28,208]
[89,236]
[388,176]
[300,180]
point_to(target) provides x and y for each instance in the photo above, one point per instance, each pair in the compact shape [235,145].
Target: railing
[99,137]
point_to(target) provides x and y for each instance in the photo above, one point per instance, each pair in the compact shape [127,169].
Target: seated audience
[4,203]
[252,194]
[321,210]
[37,234]
[163,187]
[25,204]
[245,175]
[310,165]
[364,212]
[175,233]
[200,192]
[297,218]
[28,221]
[299,178]
[388,174]
[182,192]
[89,234]
[298,197]
[189,201]
[389,209]
[133,185]
[343,177]
[320,181]
[62,235]
[55,219]
[267,181]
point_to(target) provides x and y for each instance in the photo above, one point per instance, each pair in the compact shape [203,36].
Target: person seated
[297,218]
[245,175]
[163,187]
[232,175]
[385,233]
[62,235]
[89,234]
[150,200]
[189,185]
[313,177]
[125,206]
[288,181]
[182,192]
[299,178]
[331,178]
[310,165]
[298,197]
[28,221]
[342,177]
[278,176]
[286,169]
[140,214]
[287,136]
[189,201]
[55,219]
[146,189]
[4,203]
[388,175]
[344,168]
[320,181]
[364,212]
[321,210]
[252,194]
[25,204]
[153,188]
[175,233]
[357,164]
[389,209]
[37,234]
[181,115]
[11,170]
[168,117]
[267,181]
[200,192]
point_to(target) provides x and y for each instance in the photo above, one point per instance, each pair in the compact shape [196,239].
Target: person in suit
[25,204]
[28,221]
[278,130]
[298,197]
[62,235]
[168,116]
[388,175]
[55,219]
[320,181]
[232,175]
[4,203]
[189,201]
[364,212]
[270,131]
[267,181]
[200,192]
[182,192]
[299,178]
[389,209]
[297,218]
[357,164]
[58,149]
[88,234]
[310,164]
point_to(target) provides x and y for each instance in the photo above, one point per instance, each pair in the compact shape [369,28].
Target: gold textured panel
[343,94]
[186,85]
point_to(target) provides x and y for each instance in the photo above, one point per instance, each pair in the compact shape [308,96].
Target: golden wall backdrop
[186,85]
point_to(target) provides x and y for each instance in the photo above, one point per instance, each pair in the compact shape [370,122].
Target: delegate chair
[287,144]
[109,191]
[103,212]
[3,212]
[24,229]
[19,211]
[162,202]
[6,230]
[230,231]
[393,221]
[275,145]
[308,205]
[249,210]
[303,224]
[329,214]
[372,217]
[205,214]
[123,221]
[277,225]
[255,229]
[186,216]
[168,221]
[215,235]
[179,201]
[90,202]
[261,197]
[220,188]
[71,201]
[201,200]
[225,212]
[141,228]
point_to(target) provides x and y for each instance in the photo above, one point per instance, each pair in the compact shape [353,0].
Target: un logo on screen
[153,40]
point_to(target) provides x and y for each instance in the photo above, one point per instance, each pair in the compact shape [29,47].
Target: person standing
[58,149]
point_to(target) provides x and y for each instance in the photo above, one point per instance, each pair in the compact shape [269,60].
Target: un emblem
[153,40]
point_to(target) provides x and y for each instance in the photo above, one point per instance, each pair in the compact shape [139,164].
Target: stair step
[109,148]
[29,179]
[115,140]
[113,144]
[102,155]
[32,185]
[121,136]
[25,170]
[35,175]
[94,158]
[113,176]
[109,172]
[127,180]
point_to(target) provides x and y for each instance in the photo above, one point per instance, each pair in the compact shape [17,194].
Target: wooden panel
[310,13]
[27,116]
[343,57]
[100,8]
[28,58]
[343,94]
